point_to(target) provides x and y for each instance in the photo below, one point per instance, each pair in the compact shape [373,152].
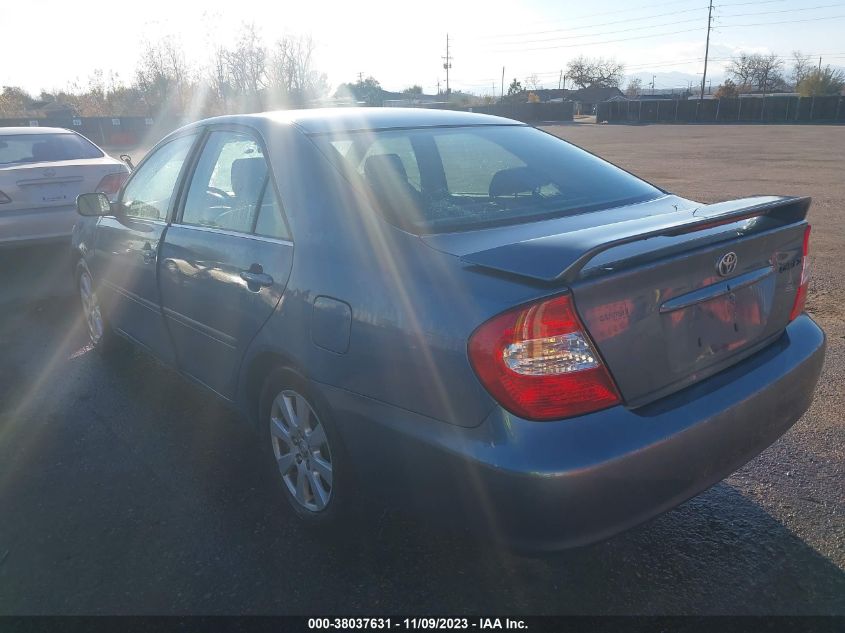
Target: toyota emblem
[727,264]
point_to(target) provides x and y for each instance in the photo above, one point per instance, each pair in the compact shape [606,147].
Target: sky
[56,43]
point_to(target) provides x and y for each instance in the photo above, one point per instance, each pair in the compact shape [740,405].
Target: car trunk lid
[671,297]
[53,184]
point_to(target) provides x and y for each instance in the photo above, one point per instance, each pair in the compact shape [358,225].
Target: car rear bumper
[552,485]
[26,227]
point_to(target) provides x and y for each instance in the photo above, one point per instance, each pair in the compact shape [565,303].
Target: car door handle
[255,279]
[148,253]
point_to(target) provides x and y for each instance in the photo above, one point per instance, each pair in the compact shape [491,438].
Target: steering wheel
[217,193]
[513,195]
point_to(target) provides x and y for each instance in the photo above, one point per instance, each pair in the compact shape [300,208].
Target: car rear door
[225,262]
[127,244]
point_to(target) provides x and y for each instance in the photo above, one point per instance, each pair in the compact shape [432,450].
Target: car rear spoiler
[561,257]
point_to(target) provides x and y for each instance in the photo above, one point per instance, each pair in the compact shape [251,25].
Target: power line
[624,39]
[590,26]
[821,6]
[827,17]
[626,20]
[636,8]
[651,26]
[572,37]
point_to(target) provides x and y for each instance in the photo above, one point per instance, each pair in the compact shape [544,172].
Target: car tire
[100,335]
[298,456]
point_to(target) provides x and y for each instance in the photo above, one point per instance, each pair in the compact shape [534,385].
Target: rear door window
[43,148]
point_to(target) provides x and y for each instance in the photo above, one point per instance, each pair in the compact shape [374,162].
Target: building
[585,98]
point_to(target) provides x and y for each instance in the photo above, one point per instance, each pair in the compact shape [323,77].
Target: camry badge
[727,264]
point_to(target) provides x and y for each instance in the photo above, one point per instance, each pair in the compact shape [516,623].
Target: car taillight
[801,295]
[111,183]
[538,362]
[4,198]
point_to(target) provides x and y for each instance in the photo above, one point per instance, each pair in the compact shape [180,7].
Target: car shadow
[135,492]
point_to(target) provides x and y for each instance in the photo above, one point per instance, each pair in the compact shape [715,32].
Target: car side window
[228,183]
[270,222]
[150,189]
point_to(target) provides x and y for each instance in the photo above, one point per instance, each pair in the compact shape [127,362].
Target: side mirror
[93,204]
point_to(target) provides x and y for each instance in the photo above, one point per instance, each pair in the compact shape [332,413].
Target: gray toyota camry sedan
[457,312]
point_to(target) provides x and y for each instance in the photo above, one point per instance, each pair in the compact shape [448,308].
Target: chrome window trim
[249,236]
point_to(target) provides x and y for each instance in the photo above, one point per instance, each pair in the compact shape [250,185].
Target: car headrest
[384,170]
[248,175]
[508,182]
[41,151]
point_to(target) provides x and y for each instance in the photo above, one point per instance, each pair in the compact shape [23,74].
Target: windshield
[38,148]
[431,180]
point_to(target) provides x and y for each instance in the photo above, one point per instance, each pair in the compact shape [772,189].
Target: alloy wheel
[302,451]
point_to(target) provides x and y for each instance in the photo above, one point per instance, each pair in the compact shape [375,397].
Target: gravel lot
[125,490]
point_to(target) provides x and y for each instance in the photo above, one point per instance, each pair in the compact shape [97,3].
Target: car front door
[127,244]
[225,262]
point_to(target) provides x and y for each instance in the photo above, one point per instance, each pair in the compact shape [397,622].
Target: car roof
[321,120]
[8,131]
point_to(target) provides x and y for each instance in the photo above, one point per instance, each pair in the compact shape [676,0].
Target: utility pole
[438,85]
[560,80]
[706,54]
[503,83]
[360,77]
[447,64]
[652,83]
[820,63]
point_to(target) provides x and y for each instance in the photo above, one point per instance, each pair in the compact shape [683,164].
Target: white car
[42,170]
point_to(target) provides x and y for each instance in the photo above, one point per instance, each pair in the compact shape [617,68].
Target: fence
[525,112]
[774,109]
[132,131]
[117,132]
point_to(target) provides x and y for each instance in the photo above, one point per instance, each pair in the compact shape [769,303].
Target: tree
[801,67]
[635,87]
[368,90]
[532,82]
[514,90]
[246,64]
[162,74]
[762,72]
[14,101]
[768,72]
[292,77]
[727,90]
[595,71]
[413,91]
[827,81]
